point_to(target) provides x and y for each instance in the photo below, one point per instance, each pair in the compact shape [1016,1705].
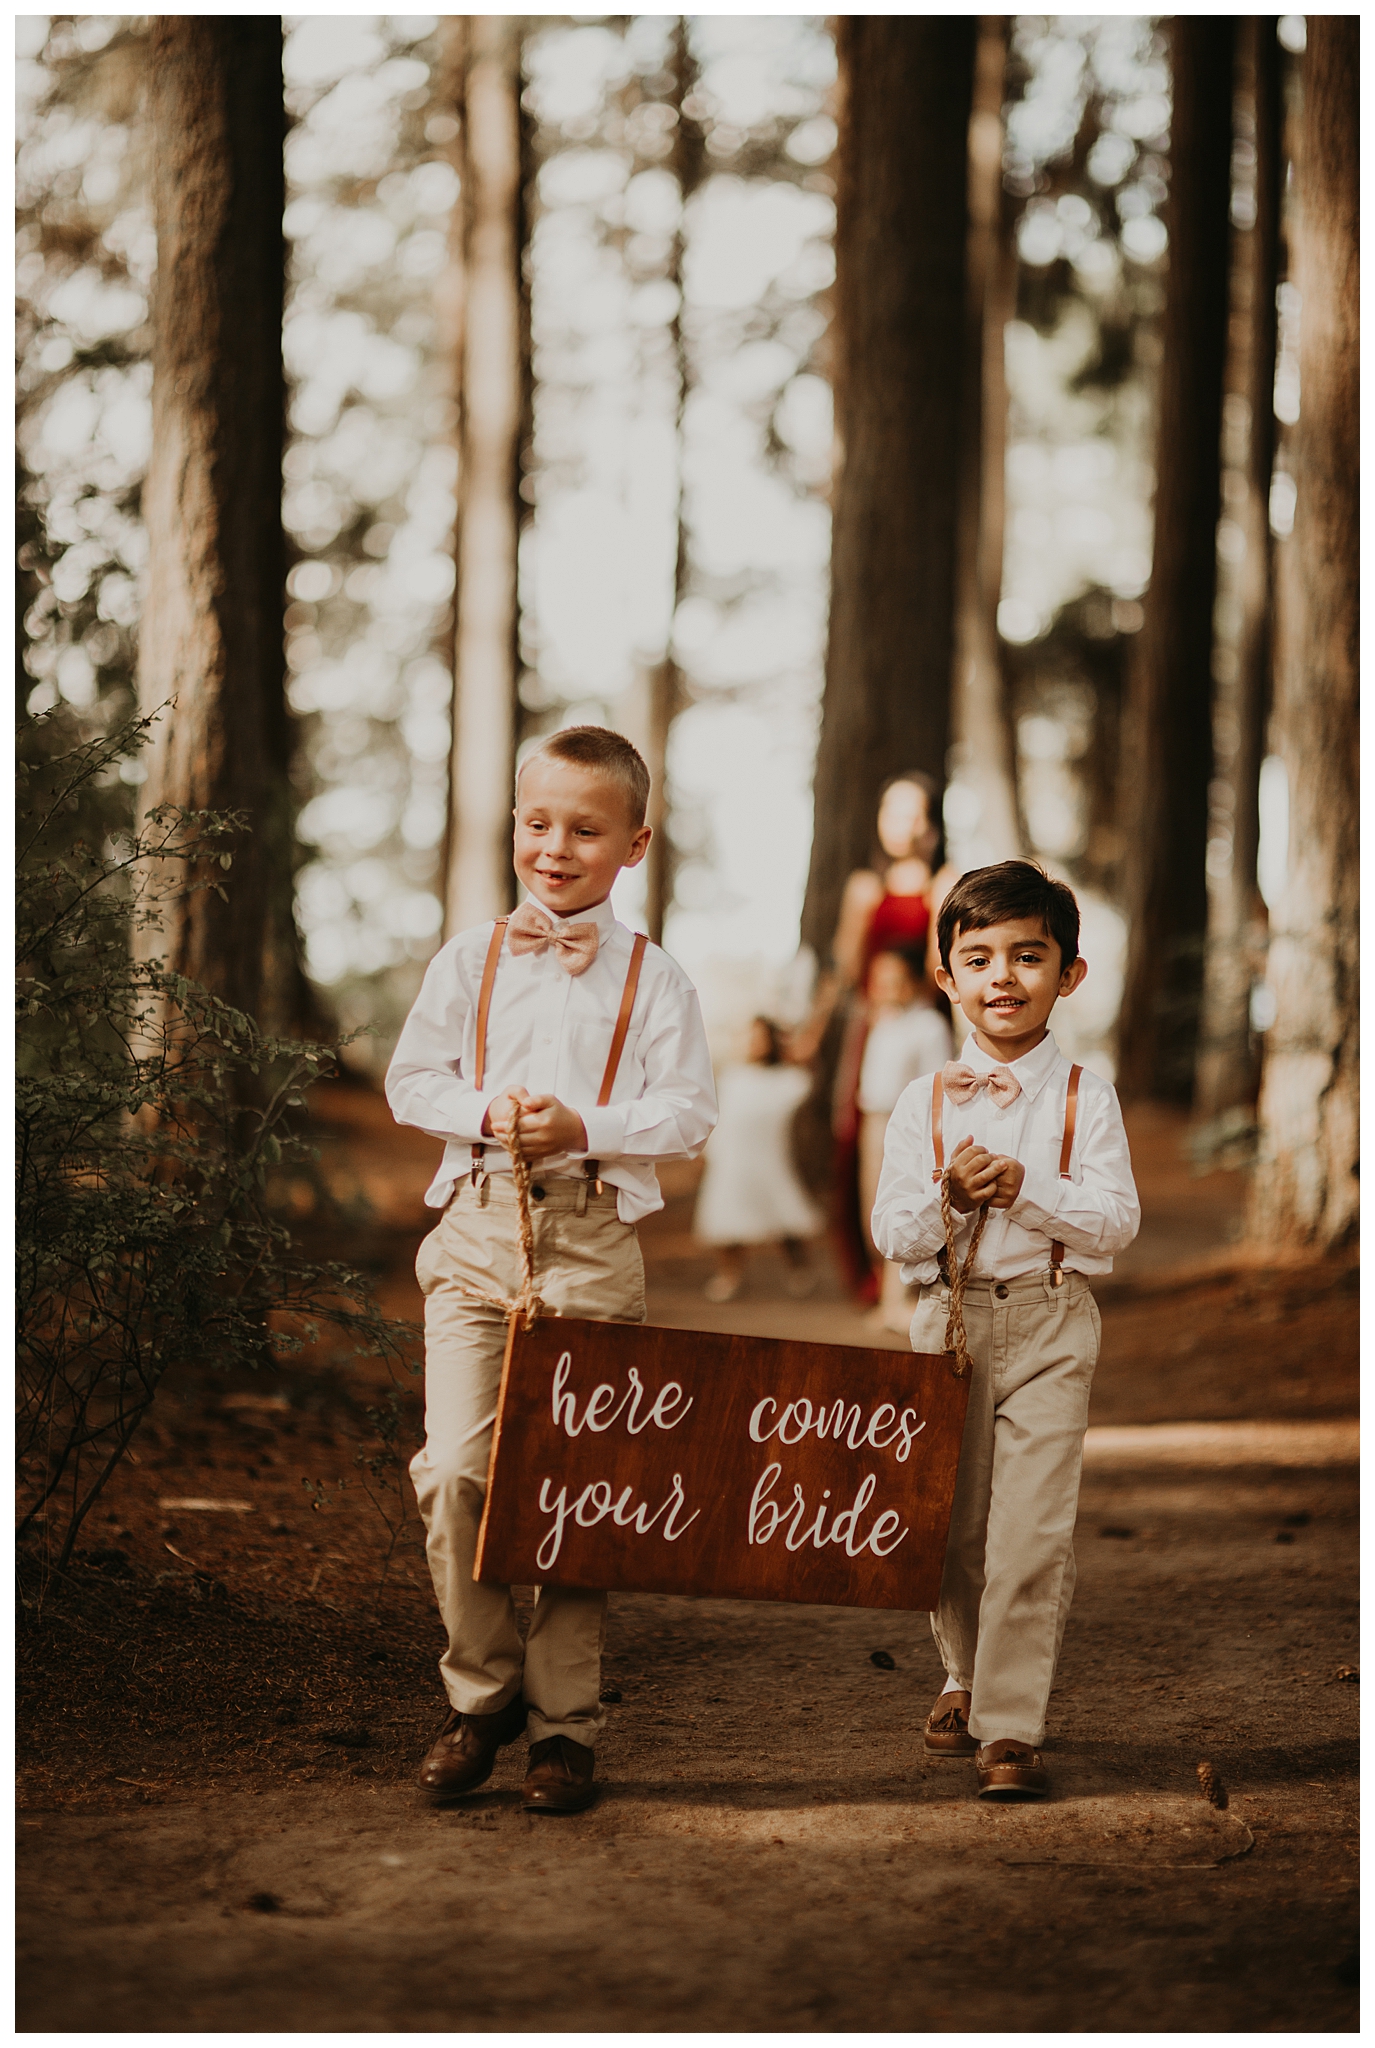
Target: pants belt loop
[580,1200]
[484,1189]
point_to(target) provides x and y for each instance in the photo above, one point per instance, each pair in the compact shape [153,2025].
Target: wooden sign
[677,1461]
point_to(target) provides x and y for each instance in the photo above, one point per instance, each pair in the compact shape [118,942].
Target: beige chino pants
[1009,1566]
[587,1263]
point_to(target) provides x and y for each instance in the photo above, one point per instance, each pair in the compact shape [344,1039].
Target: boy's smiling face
[1007,979]
[574,834]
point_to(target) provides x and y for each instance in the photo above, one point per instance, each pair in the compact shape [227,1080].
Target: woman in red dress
[890,906]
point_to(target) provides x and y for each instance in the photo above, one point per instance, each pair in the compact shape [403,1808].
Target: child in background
[907,1036]
[750,1192]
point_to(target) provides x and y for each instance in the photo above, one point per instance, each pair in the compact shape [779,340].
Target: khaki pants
[1009,1567]
[587,1263]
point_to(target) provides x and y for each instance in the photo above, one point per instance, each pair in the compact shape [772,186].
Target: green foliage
[156,1128]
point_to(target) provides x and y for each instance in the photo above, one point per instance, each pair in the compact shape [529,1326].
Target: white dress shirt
[550,1032]
[901,1044]
[1093,1214]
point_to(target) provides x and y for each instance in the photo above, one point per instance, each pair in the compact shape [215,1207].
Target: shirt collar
[1031,1071]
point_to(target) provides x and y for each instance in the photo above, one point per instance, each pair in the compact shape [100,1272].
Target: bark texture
[1168,723]
[1305,1187]
[211,640]
[487,315]
[1228,1070]
[983,757]
[900,307]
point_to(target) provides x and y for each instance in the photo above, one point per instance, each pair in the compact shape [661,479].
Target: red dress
[898,922]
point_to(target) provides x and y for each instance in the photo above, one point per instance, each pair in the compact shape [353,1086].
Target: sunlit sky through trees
[680,359]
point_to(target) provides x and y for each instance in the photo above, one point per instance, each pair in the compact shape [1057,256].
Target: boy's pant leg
[1010,1573]
[586,1265]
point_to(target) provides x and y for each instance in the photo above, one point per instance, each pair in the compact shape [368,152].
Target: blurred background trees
[559,337]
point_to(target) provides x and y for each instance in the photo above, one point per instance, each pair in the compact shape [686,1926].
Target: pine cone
[1211,1786]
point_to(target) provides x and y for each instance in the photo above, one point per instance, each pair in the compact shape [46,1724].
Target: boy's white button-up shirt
[1094,1213]
[550,1032]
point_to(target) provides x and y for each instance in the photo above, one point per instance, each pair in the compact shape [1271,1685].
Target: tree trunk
[983,758]
[906,85]
[666,693]
[1228,1057]
[1305,1188]
[211,640]
[1167,727]
[484,57]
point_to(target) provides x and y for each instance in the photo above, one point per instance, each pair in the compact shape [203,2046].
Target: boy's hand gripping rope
[527,1303]
[957,1276]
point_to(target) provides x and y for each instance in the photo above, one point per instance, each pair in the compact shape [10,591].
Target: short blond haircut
[605,752]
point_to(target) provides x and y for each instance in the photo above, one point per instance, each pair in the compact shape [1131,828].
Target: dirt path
[220,1720]
[773,1852]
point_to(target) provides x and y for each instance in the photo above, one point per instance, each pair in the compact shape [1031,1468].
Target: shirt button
[1000,1291]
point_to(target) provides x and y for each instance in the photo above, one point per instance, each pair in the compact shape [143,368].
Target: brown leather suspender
[484,1004]
[1057,1250]
[628,993]
[937,1144]
[618,1036]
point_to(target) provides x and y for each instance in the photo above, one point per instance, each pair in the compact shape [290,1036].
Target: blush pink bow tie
[962,1084]
[575,945]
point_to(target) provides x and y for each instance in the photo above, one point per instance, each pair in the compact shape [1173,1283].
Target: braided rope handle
[526,1303]
[958,1275]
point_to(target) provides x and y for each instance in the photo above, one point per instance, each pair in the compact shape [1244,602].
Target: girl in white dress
[750,1192]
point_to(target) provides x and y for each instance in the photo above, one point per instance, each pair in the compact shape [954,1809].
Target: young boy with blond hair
[1041,1143]
[561,1018]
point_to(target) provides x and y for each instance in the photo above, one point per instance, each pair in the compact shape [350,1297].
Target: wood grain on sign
[678,1461]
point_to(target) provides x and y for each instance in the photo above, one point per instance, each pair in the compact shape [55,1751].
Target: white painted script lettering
[884,1428]
[595,1503]
[595,1415]
[767,1516]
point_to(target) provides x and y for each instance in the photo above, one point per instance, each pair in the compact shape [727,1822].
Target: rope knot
[526,1303]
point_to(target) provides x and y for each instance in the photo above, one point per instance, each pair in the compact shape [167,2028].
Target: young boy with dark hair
[1041,1143]
[560,1018]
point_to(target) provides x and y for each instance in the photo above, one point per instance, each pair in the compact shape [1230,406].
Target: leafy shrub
[155,1130]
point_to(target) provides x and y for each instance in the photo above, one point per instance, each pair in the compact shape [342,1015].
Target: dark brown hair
[607,753]
[999,895]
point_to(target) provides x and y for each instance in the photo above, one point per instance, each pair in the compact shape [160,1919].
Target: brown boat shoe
[463,1753]
[947,1726]
[559,1779]
[1011,1770]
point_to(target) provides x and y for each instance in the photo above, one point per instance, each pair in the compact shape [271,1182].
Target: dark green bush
[155,1130]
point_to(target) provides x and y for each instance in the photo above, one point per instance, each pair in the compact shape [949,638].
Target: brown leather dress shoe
[1011,1770]
[464,1751]
[559,1779]
[947,1726]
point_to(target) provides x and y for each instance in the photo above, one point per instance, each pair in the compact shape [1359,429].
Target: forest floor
[221,1709]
